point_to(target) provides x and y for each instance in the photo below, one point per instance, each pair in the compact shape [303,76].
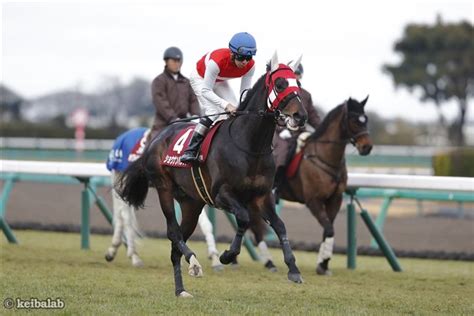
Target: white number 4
[178,147]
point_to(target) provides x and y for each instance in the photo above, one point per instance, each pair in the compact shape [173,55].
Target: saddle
[181,142]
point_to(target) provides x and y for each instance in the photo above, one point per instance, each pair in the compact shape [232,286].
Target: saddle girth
[198,180]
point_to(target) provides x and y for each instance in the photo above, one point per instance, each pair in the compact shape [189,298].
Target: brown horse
[238,172]
[321,178]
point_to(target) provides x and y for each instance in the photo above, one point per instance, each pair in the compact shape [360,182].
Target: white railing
[75,169]
[358,180]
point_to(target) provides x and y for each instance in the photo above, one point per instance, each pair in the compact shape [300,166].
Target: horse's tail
[132,185]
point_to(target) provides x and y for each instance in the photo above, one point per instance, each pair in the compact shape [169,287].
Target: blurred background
[91,64]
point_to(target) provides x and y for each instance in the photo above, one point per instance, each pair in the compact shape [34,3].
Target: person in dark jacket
[172,94]
[284,138]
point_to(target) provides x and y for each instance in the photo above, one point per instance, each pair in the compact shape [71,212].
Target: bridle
[276,102]
[336,171]
[351,136]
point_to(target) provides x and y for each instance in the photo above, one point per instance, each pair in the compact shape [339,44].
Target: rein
[275,112]
[276,115]
[188,119]
[334,171]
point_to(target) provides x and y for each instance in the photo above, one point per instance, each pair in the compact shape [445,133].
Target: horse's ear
[365,101]
[274,62]
[294,65]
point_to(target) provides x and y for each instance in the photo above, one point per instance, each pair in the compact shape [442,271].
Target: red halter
[274,97]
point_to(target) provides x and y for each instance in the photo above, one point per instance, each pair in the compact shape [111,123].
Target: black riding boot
[190,155]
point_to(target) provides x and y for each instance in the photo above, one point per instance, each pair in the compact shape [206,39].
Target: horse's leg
[131,234]
[206,228]
[258,227]
[118,205]
[190,210]
[178,246]
[326,249]
[227,201]
[318,209]
[280,229]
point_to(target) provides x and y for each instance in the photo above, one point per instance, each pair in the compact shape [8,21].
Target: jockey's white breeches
[221,89]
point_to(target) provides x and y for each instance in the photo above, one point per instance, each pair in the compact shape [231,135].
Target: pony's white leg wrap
[137,261]
[206,228]
[129,233]
[118,229]
[118,204]
[325,249]
[264,253]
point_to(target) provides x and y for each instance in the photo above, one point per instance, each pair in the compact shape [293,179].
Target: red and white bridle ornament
[274,97]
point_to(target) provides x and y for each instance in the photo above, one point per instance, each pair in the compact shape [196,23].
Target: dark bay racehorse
[238,172]
[321,179]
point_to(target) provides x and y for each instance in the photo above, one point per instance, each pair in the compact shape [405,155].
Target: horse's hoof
[227,257]
[137,263]
[195,268]
[215,263]
[218,268]
[270,266]
[185,294]
[109,257]
[195,271]
[321,271]
[295,277]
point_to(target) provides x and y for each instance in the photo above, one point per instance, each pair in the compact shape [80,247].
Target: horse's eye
[362,119]
[281,84]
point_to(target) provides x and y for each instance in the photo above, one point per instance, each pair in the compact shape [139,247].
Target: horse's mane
[326,121]
[257,87]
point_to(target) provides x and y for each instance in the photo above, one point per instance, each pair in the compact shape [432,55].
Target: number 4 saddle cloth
[181,142]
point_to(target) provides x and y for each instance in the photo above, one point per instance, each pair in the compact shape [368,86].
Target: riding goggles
[242,57]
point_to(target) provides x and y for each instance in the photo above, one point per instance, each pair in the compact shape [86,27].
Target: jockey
[284,138]
[209,82]
[172,94]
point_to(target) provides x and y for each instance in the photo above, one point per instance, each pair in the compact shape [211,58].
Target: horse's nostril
[367,148]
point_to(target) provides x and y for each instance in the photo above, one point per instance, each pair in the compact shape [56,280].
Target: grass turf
[51,265]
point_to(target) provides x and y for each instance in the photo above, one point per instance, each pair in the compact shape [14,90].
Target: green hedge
[52,130]
[455,163]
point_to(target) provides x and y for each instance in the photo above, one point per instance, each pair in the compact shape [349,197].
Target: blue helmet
[243,44]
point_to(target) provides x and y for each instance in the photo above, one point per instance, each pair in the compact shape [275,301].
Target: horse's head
[283,93]
[356,126]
